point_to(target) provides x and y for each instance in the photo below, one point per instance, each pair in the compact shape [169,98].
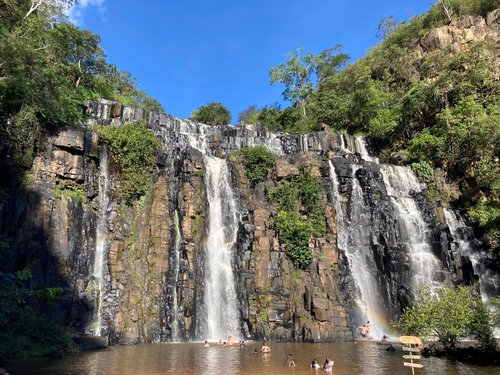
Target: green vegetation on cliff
[134,148]
[257,161]
[48,68]
[300,216]
[435,107]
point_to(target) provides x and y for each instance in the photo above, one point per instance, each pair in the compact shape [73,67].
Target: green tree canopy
[214,113]
[48,68]
[449,314]
[296,73]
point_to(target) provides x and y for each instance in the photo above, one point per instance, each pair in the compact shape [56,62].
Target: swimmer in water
[265,348]
[314,364]
[290,362]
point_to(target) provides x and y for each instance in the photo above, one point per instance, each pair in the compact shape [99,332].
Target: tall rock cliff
[383,236]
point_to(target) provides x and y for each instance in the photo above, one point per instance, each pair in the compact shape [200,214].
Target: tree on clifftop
[212,114]
[296,74]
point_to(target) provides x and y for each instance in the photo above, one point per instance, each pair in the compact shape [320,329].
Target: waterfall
[354,237]
[172,287]
[342,232]
[413,232]
[489,280]
[101,234]
[358,228]
[198,136]
[356,145]
[221,315]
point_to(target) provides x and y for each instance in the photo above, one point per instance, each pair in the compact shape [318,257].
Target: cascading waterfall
[489,280]
[413,234]
[221,317]
[426,268]
[353,236]
[172,288]
[197,136]
[356,144]
[218,309]
[101,234]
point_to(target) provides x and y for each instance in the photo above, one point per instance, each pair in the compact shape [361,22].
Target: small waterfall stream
[175,257]
[101,234]
[221,317]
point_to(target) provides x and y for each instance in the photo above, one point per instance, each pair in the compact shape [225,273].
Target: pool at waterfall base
[362,357]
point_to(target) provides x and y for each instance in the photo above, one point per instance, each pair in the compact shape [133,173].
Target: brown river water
[182,359]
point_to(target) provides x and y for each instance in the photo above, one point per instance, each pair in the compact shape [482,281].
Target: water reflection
[182,359]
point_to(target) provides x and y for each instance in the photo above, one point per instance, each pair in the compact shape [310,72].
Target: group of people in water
[365,330]
[265,349]
[229,342]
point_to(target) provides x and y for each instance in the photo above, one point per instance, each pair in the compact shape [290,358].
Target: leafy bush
[449,314]
[212,114]
[300,216]
[488,216]
[423,170]
[285,196]
[24,332]
[258,161]
[70,190]
[294,234]
[135,148]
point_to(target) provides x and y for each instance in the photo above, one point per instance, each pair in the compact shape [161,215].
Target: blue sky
[187,53]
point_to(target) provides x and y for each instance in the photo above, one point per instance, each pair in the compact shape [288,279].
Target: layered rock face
[462,32]
[157,279]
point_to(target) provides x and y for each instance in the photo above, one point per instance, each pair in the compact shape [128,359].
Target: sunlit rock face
[200,258]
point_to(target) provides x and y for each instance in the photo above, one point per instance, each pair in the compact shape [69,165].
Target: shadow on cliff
[31,241]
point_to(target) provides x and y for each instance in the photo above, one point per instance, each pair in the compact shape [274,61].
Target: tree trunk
[34,6]
[302,104]
[447,9]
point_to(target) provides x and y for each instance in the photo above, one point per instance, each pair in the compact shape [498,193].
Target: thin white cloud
[77,12]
